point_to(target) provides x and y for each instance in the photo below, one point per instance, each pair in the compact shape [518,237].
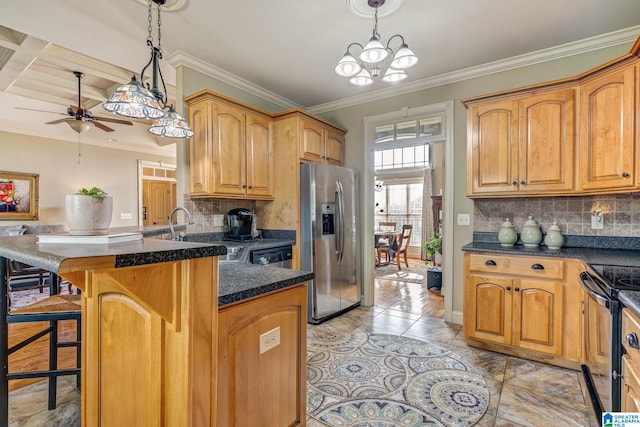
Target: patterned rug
[416,273]
[25,297]
[385,380]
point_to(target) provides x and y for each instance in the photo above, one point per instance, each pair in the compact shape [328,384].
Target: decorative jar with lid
[554,238]
[507,235]
[531,235]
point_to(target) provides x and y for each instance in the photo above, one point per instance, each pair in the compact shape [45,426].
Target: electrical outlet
[464,219]
[125,215]
[269,340]
[597,222]
[218,220]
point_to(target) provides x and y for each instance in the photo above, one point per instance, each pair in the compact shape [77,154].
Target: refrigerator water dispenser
[327,218]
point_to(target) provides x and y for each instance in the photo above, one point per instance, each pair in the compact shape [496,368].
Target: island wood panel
[268,386]
[149,344]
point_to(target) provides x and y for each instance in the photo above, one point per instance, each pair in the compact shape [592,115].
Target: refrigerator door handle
[341,220]
[338,232]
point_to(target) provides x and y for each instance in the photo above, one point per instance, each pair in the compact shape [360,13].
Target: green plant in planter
[94,192]
[433,245]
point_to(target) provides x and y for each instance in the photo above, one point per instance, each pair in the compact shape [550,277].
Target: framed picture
[18,195]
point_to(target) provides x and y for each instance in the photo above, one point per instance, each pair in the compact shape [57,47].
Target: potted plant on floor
[89,211]
[433,251]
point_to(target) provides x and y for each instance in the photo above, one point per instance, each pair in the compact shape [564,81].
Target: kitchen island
[150,325]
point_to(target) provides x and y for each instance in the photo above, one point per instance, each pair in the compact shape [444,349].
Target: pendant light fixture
[374,57]
[136,101]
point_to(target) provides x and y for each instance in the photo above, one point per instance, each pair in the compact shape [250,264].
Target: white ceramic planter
[87,215]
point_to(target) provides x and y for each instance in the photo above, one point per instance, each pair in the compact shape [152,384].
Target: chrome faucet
[172,214]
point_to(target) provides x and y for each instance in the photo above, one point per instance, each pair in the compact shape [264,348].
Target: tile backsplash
[203,211]
[572,214]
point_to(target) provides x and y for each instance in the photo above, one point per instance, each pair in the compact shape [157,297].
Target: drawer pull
[625,175]
[514,183]
[523,182]
[490,262]
[517,289]
[537,267]
[632,340]
[508,288]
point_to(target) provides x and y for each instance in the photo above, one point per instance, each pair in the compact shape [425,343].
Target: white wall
[115,171]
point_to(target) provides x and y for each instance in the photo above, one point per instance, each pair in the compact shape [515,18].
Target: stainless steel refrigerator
[328,242]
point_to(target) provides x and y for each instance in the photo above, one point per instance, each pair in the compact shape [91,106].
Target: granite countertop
[239,280]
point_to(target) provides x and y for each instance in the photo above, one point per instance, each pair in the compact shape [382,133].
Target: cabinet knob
[508,288]
[490,262]
[244,186]
[517,289]
[537,267]
[523,182]
[250,187]
[625,175]
[632,340]
[514,183]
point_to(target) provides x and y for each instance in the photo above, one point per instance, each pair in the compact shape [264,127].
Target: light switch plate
[125,215]
[597,222]
[464,219]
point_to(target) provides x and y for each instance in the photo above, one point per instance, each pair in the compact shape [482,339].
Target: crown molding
[627,35]
[182,58]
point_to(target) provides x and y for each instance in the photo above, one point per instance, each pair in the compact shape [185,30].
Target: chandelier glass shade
[134,100]
[374,56]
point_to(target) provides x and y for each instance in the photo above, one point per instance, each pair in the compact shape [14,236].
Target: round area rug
[389,380]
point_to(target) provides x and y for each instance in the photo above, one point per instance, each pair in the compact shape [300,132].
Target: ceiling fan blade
[101,126]
[41,111]
[110,120]
[55,122]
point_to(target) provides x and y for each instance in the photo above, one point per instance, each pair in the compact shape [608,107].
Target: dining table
[392,237]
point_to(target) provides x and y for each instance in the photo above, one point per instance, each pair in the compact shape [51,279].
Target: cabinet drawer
[630,326]
[517,265]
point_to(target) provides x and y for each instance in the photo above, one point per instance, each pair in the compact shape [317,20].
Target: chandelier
[136,101]
[374,57]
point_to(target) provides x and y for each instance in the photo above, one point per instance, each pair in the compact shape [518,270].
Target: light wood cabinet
[231,153]
[526,304]
[320,144]
[522,146]
[257,382]
[630,362]
[607,130]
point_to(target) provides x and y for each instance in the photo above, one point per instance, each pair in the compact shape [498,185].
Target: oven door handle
[589,285]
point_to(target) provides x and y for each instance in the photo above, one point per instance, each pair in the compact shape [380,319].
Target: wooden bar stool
[51,309]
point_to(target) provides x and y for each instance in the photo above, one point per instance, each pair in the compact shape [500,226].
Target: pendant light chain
[375,26]
[149,27]
[159,33]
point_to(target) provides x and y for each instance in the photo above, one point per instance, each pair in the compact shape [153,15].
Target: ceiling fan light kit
[375,56]
[134,100]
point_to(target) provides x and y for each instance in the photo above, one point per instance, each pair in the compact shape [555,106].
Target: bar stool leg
[4,346]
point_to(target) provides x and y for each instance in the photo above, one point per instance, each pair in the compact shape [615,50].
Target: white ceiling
[283,50]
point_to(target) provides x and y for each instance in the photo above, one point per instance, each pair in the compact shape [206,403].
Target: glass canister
[507,235]
[554,238]
[531,234]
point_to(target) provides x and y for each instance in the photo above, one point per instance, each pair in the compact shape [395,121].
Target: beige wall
[115,171]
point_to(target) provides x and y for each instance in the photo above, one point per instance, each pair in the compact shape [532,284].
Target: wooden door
[311,141]
[547,140]
[257,383]
[492,156]
[537,315]
[159,198]
[489,309]
[334,148]
[607,131]
[200,148]
[229,174]
[630,385]
[259,154]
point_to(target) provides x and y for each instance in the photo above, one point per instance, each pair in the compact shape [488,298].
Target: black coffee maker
[240,223]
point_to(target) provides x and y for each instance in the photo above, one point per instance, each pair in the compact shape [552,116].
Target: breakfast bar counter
[149,328]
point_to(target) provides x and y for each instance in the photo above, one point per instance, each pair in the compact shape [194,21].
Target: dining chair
[404,239]
[385,241]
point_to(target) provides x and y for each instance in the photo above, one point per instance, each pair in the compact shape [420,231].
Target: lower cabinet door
[630,386]
[262,361]
[489,309]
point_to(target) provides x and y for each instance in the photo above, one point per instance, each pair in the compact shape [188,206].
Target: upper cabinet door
[492,156]
[229,151]
[200,148]
[607,131]
[259,156]
[334,148]
[311,141]
[546,142]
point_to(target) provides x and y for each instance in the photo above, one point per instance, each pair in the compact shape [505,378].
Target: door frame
[142,164]
[370,122]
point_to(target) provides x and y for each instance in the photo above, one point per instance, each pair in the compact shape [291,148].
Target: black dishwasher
[272,257]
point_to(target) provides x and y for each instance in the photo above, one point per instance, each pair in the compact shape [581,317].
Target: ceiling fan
[79,119]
